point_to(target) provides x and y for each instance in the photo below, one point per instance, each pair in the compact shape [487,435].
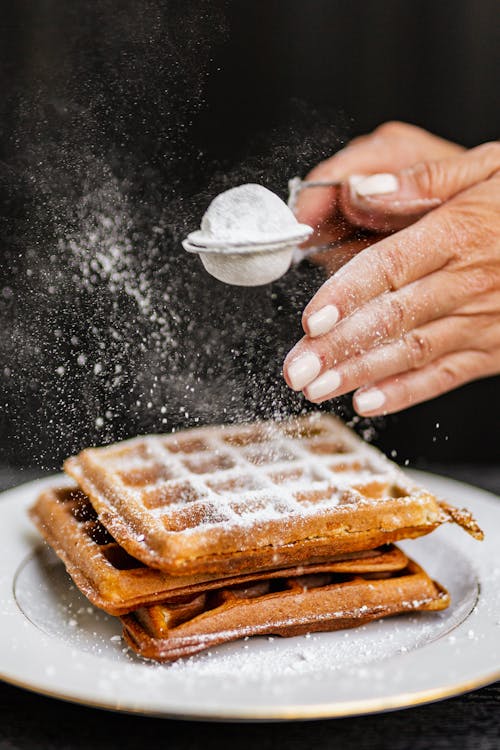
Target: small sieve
[247,263]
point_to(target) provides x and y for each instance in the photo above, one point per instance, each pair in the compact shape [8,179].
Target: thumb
[417,189]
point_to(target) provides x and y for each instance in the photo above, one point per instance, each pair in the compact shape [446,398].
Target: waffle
[226,500]
[118,583]
[285,606]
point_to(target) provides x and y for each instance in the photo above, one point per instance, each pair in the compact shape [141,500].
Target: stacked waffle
[213,534]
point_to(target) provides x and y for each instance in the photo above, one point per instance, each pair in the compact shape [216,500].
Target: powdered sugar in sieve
[248,235]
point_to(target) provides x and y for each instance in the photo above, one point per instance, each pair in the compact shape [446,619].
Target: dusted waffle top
[222,499]
[118,583]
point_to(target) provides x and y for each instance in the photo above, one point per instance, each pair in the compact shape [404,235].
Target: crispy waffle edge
[108,588]
[419,515]
[328,608]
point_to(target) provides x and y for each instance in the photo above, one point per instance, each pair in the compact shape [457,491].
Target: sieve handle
[295,185]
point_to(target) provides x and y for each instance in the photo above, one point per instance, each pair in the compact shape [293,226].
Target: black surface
[469,722]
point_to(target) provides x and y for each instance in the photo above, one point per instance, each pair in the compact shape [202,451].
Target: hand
[418,312]
[390,148]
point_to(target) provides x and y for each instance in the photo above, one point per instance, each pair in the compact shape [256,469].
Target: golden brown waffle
[118,583]
[227,500]
[286,606]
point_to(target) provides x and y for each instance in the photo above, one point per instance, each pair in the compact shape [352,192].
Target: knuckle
[419,349]
[392,128]
[479,281]
[429,176]
[356,141]
[467,227]
[397,313]
[392,267]
[449,376]
[490,151]
[390,319]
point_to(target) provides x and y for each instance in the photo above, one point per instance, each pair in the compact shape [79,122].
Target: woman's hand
[418,312]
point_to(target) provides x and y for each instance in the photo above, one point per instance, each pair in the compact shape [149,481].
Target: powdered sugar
[102,248]
[241,476]
[205,495]
[247,237]
[248,214]
[106,281]
[388,663]
[51,601]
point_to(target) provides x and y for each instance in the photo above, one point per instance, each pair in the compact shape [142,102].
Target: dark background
[120,120]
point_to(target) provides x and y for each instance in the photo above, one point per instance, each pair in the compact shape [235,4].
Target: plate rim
[316,712]
[295,712]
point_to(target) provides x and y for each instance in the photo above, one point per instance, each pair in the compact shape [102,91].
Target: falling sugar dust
[113,329]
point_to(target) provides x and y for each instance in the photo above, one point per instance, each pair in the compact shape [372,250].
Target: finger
[335,229]
[365,213]
[386,266]
[383,201]
[381,320]
[413,350]
[334,257]
[391,146]
[440,376]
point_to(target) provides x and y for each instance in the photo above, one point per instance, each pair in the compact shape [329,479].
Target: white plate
[53,642]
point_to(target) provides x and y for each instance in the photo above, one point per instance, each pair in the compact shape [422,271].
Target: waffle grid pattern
[247,474]
[117,582]
[104,546]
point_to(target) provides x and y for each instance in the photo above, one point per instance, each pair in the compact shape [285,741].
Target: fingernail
[303,369]
[355,179]
[322,321]
[328,382]
[376,184]
[369,400]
